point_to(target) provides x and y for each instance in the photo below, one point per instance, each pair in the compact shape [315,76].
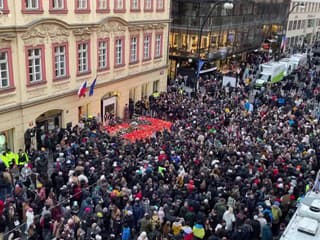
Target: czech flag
[83,89]
[283,43]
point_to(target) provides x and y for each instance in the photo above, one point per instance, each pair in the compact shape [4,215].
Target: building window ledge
[5,11]
[34,84]
[7,90]
[36,11]
[58,11]
[119,10]
[158,59]
[103,11]
[134,63]
[103,69]
[82,11]
[60,79]
[83,73]
[119,66]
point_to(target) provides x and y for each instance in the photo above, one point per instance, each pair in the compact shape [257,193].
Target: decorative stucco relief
[6,38]
[42,33]
[111,28]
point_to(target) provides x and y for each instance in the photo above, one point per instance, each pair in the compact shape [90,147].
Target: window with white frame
[103,4]
[158,45]
[119,50]
[32,4]
[1,4]
[103,56]
[82,4]
[148,4]
[58,4]
[60,63]
[4,70]
[160,4]
[119,4]
[83,58]
[133,49]
[146,47]
[134,4]
[35,65]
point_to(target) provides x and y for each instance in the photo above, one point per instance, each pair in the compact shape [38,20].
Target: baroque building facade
[49,48]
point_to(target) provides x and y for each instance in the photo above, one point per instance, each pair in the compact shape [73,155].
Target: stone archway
[46,123]
[50,119]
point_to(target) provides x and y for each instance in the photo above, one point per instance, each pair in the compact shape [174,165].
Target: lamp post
[228,4]
[285,21]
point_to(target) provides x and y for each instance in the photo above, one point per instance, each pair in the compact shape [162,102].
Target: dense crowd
[228,169]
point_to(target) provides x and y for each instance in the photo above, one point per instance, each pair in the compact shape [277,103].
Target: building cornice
[74,92]
[65,25]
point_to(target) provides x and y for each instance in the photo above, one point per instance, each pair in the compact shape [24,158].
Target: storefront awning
[208,70]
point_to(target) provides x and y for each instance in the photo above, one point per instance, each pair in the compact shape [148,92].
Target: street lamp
[227,4]
[285,21]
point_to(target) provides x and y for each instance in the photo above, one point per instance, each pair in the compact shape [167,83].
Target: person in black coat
[256,228]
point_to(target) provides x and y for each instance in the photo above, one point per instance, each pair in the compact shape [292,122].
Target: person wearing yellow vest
[11,157]
[307,188]
[8,158]
[4,159]
[155,94]
[21,158]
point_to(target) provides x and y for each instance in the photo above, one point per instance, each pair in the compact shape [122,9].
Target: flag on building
[283,43]
[93,84]
[83,89]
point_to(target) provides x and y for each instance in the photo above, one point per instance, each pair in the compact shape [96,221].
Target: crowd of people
[223,171]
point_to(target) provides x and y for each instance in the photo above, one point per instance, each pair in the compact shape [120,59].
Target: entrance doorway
[45,123]
[50,120]
[108,107]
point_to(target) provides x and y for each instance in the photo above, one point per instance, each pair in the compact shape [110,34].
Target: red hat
[87,210]
[292,197]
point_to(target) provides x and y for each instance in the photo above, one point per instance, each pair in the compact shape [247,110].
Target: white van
[299,60]
[305,223]
[290,66]
[271,72]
